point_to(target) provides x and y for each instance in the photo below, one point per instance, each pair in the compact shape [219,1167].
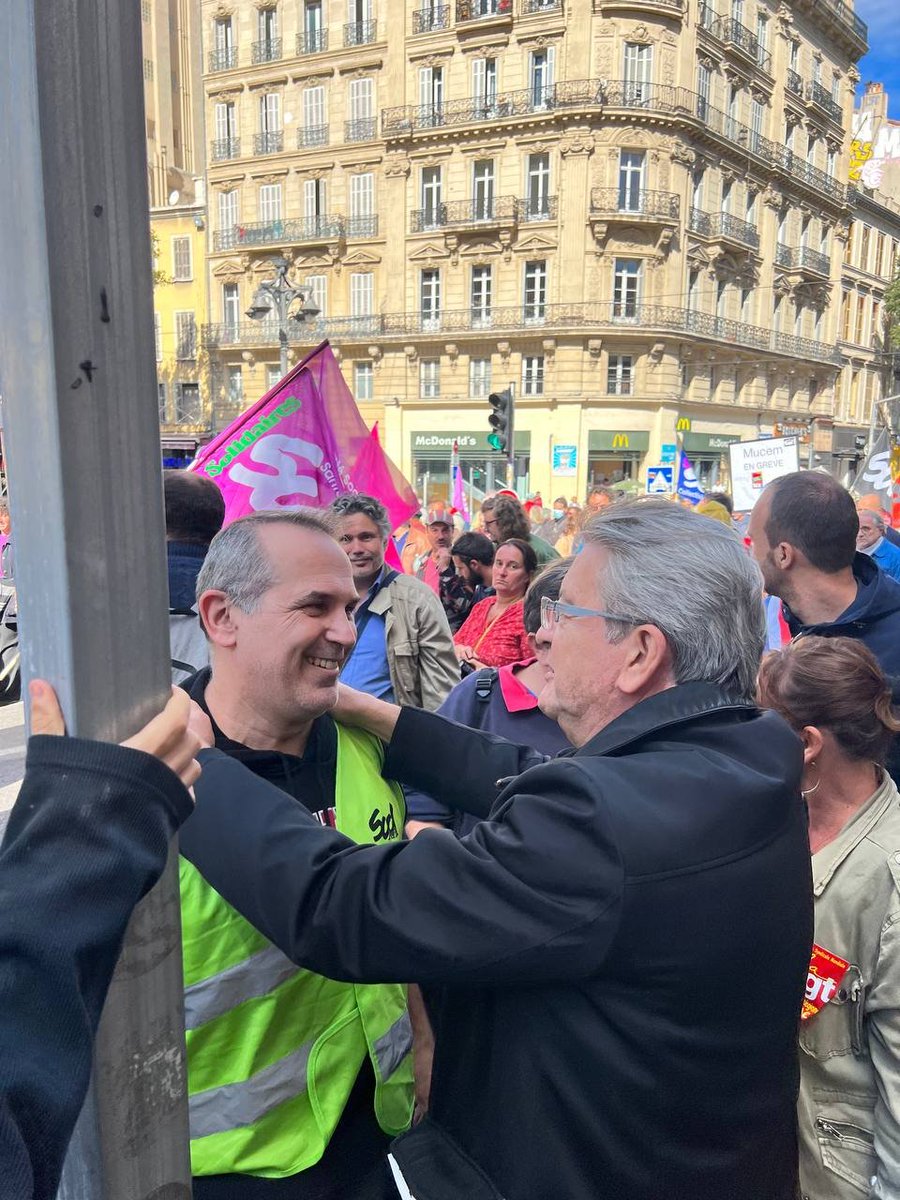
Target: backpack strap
[484,683]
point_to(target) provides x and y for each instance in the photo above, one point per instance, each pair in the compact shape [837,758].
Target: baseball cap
[438,515]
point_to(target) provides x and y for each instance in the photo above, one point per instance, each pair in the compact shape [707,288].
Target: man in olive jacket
[617,953]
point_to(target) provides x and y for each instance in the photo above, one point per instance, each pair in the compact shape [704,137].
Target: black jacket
[619,953]
[87,838]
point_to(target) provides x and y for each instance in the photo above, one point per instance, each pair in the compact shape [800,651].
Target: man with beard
[469,577]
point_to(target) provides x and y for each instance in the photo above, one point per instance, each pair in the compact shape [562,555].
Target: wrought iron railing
[794,82]
[223,60]
[363,129]
[312,41]
[733,33]
[634,203]
[523,319]
[819,96]
[425,20]
[482,10]
[224,148]
[271,142]
[539,6]
[721,224]
[267,50]
[464,213]
[312,135]
[538,208]
[802,257]
[362,226]
[360,33]
[261,233]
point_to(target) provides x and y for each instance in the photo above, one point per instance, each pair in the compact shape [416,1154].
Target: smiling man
[296,1081]
[618,951]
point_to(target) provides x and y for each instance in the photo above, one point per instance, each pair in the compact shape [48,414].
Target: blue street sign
[660,480]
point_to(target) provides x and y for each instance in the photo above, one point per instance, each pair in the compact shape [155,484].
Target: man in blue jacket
[804,529]
[617,953]
[872,540]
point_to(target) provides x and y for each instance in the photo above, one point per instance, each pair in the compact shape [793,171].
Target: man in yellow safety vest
[296,1082]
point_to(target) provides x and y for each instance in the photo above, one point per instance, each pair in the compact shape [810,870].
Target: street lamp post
[274,297]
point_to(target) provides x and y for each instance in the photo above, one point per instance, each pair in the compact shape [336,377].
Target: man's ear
[218,617]
[785,555]
[648,661]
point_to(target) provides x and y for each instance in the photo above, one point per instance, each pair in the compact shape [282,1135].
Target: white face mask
[558,514]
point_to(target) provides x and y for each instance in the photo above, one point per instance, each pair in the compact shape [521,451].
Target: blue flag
[688,487]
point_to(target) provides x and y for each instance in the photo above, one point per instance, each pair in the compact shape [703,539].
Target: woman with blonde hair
[833,693]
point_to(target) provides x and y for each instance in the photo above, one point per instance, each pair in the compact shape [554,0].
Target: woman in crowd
[832,691]
[494,634]
[565,543]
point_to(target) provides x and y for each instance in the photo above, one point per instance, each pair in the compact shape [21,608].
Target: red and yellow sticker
[826,970]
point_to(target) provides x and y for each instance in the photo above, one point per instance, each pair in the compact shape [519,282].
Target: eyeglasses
[552,610]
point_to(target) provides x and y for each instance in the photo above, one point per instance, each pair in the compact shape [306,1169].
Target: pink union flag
[304,442]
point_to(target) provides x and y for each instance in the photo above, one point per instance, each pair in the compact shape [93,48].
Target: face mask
[558,514]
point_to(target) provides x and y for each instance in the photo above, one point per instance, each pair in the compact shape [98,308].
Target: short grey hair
[690,577]
[236,562]
[877,519]
[367,506]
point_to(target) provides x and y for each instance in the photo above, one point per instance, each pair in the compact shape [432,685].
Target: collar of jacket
[857,829]
[675,706]
[184,562]
[381,601]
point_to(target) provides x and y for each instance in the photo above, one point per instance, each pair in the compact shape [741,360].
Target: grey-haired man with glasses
[615,957]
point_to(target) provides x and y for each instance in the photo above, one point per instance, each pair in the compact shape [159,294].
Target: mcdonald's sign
[620,441]
[683,425]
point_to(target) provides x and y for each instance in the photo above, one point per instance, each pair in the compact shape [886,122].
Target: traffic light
[501,421]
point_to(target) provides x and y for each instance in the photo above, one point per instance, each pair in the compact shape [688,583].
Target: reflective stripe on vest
[273,1049]
[237,1105]
[392,1047]
[257,975]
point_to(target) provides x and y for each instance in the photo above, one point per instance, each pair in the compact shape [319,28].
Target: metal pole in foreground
[78,382]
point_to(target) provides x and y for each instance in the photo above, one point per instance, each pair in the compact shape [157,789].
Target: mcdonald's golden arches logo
[620,441]
[683,425]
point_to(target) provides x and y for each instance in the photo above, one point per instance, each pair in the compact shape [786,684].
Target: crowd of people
[517,869]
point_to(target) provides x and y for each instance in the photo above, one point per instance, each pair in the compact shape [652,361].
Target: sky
[882,63]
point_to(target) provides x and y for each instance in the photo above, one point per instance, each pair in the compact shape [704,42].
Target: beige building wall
[633,212]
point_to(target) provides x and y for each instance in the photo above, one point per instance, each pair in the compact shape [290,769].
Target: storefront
[708,454]
[615,455]
[483,469]
[178,451]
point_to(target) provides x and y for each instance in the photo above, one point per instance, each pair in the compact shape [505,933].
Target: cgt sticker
[826,970]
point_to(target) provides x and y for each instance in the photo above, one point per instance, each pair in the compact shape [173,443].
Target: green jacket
[274,1050]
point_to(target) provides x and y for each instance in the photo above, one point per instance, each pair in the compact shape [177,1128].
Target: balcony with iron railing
[224,148]
[465,213]
[312,135]
[270,142]
[265,51]
[223,60]
[363,129]
[823,99]
[312,41]
[587,95]
[634,203]
[845,17]
[735,36]
[724,225]
[802,258]
[794,82]
[360,33]
[538,208]
[482,10]
[279,232]
[362,227]
[427,20]
[530,7]
[523,319]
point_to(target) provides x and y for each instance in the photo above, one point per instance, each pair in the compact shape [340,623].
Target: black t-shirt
[354,1165]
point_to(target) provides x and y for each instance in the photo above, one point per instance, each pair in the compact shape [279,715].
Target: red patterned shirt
[497,642]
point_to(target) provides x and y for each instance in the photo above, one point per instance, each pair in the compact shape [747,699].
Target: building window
[859,334]
[228,213]
[270,203]
[231,305]
[795,55]
[315,117]
[361,125]
[693,290]
[537,187]
[362,200]
[542,69]
[181,259]
[535,292]
[315,289]
[157,336]
[185,336]
[273,376]
[429,378]
[362,286]
[433,213]
[704,76]
[864,247]
[846,301]
[431,97]
[162,401]
[631,180]
[481,295]
[619,375]
[267,26]
[430,299]
[533,375]
[235,384]
[479,377]
[638,73]
[762,37]
[626,288]
[483,189]
[188,410]
[747,305]
[484,86]
[363,381]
